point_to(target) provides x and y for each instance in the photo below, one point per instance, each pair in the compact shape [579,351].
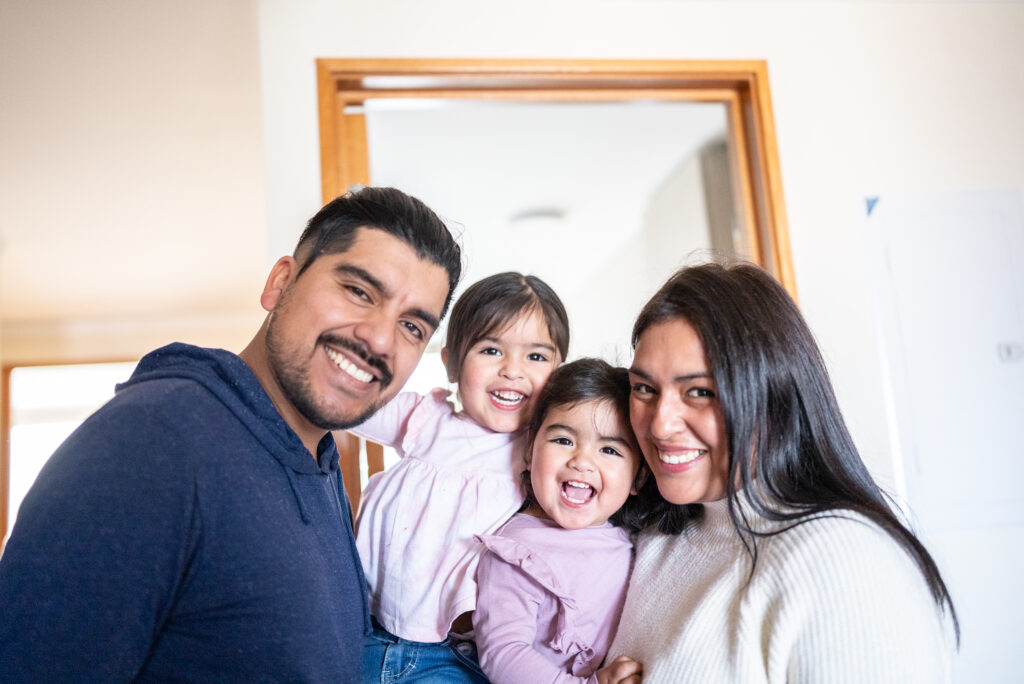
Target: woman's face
[676,414]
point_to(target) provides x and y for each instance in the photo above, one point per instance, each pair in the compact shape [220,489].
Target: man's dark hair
[333,230]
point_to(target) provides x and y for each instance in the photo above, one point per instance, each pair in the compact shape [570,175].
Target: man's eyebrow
[373,281]
[427,317]
[361,273]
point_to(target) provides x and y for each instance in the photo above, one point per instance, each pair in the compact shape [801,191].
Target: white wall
[867,97]
[112,107]
[131,176]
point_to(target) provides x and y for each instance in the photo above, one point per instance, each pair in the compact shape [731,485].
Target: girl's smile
[583,463]
[503,371]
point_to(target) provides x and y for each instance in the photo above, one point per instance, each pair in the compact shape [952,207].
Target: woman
[770,555]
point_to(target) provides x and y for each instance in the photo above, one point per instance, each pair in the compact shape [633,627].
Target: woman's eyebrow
[679,378]
[636,371]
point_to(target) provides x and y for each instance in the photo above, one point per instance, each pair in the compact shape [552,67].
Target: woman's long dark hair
[778,405]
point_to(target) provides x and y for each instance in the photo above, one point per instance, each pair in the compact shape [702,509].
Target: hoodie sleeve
[99,550]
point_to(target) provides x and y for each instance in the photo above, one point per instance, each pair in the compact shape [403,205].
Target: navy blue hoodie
[184,533]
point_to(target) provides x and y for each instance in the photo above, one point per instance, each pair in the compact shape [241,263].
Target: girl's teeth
[682,457]
[347,366]
[508,398]
[584,491]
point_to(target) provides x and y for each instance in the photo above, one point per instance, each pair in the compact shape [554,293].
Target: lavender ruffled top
[549,600]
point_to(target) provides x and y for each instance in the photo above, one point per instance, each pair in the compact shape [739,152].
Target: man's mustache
[368,357]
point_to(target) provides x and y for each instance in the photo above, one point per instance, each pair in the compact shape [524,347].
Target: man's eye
[358,291]
[415,330]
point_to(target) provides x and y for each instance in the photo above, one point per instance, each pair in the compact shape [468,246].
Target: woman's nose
[668,418]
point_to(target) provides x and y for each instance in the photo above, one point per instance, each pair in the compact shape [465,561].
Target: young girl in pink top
[553,580]
[457,478]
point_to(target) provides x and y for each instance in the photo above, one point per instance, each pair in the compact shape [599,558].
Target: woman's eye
[536,357]
[700,393]
[641,388]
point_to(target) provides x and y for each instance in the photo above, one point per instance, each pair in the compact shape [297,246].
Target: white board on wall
[949,273]
[949,288]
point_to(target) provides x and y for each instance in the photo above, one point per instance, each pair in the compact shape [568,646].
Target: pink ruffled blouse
[417,519]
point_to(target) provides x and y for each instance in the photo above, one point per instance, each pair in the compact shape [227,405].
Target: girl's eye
[414,330]
[536,357]
[490,351]
[564,441]
[610,450]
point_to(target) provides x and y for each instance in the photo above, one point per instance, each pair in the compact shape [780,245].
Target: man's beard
[293,379]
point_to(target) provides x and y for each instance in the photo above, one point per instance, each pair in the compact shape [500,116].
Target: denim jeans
[388,659]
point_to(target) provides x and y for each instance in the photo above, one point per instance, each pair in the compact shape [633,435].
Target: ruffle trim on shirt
[566,640]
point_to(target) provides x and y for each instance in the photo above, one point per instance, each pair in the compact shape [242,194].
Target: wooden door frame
[742,86]
[6,420]
[344,85]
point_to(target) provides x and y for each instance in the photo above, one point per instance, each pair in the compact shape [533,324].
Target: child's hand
[622,670]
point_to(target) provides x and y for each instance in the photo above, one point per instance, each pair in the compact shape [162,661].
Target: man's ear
[444,360]
[281,276]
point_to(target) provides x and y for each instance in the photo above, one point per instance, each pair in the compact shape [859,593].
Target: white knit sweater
[831,600]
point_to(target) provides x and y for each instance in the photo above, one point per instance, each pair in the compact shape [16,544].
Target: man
[196,528]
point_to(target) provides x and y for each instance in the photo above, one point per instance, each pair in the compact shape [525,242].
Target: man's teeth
[508,398]
[584,491]
[349,367]
[682,456]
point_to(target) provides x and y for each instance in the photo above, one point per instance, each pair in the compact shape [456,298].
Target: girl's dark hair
[576,382]
[778,405]
[490,304]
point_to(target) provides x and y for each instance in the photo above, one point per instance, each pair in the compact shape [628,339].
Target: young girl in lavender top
[553,580]
[457,478]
